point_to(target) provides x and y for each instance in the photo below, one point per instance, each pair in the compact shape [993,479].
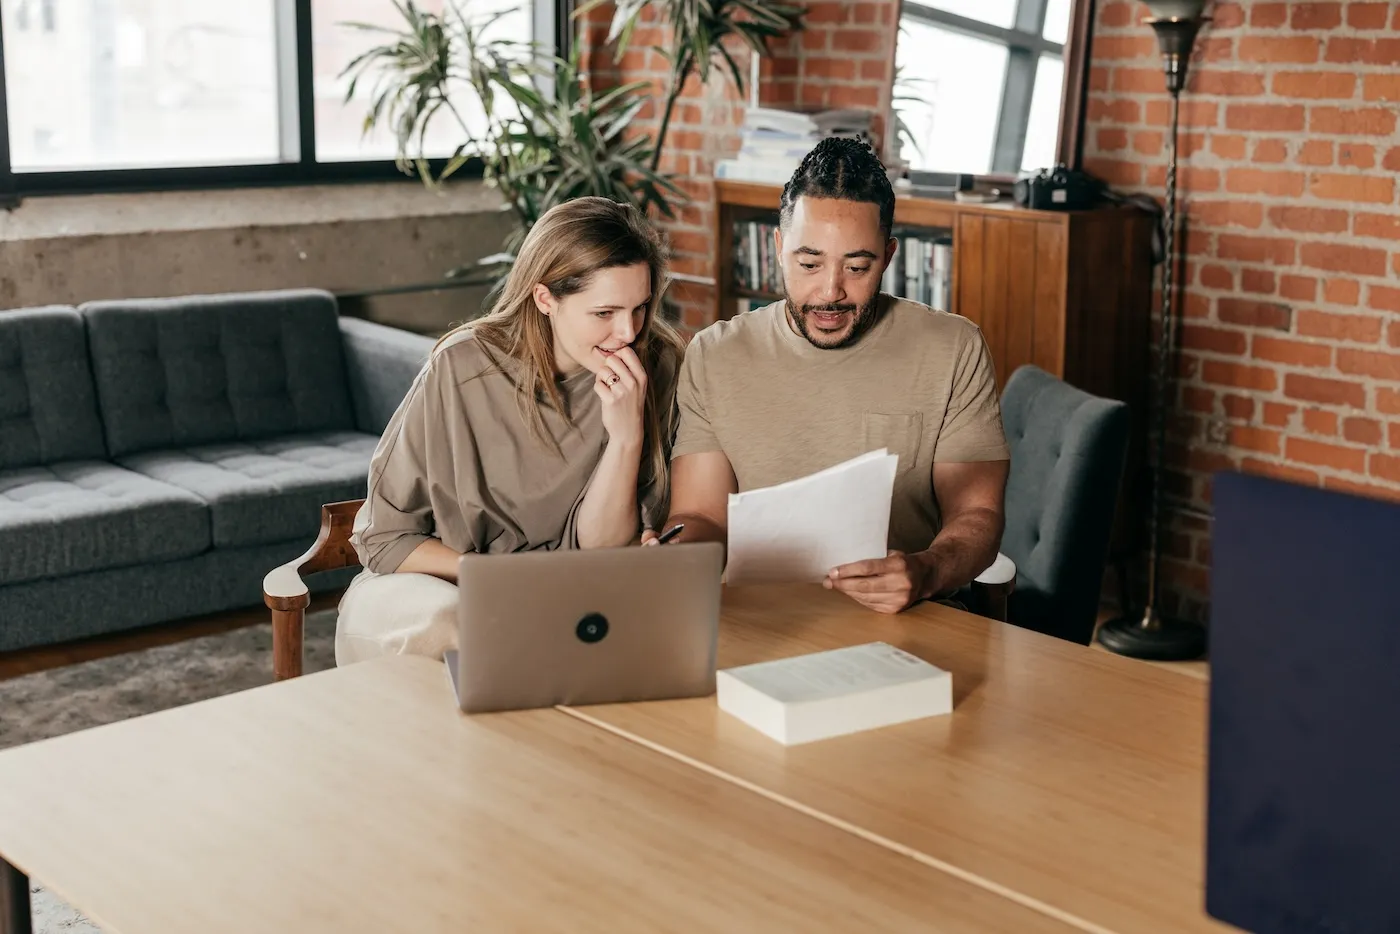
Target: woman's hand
[622,385]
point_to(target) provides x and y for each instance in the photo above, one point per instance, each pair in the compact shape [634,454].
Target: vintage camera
[1057,189]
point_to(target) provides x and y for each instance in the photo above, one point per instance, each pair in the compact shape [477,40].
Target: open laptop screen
[1303,820]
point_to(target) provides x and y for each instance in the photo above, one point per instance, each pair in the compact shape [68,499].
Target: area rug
[62,700]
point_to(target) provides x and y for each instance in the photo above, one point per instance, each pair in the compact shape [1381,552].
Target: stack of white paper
[811,697]
[796,532]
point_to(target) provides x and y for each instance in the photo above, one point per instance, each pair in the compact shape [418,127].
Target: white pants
[395,614]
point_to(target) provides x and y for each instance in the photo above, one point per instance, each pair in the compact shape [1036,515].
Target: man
[839,369]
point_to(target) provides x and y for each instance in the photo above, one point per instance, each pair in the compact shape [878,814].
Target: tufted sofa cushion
[174,373]
[266,491]
[1067,453]
[48,408]
[78,516]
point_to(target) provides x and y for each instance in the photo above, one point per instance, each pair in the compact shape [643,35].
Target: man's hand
[885,585]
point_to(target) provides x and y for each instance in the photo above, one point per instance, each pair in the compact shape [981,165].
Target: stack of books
[774,141]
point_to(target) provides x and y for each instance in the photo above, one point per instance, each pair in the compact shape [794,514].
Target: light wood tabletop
[1074,778]
[360,799]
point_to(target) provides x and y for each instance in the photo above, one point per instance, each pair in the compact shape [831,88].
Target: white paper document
[796,532]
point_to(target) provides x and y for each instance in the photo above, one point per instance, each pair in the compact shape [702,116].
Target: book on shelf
[824,694]
[756,266]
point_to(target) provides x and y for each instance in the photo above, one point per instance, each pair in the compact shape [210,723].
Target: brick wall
[1290,362]
[840,59]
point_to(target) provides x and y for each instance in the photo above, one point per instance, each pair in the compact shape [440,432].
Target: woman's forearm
[431,557]
[609,516]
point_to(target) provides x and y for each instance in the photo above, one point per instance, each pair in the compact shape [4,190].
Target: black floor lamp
[1176,23]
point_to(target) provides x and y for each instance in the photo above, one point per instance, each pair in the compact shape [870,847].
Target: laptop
[595,626]
[1303,819]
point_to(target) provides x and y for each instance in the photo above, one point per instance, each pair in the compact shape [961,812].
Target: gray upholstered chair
[1067,455]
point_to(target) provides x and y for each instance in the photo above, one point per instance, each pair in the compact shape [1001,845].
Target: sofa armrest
[381,363]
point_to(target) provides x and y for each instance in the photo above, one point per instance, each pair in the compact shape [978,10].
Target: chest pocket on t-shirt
[899,433]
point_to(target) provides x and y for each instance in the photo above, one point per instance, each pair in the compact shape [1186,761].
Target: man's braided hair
[844,168]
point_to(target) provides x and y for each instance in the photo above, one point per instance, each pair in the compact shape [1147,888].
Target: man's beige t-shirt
[919,383]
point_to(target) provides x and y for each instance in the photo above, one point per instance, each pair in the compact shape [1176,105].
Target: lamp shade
[1176,9]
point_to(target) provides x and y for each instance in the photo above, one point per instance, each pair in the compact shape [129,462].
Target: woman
[545,424]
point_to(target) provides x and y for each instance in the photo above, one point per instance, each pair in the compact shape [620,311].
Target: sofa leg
[288,624]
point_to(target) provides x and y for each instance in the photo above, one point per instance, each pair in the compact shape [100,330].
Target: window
[98,94]
[980,83]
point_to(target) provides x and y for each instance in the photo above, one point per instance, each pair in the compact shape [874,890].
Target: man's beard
[863,320]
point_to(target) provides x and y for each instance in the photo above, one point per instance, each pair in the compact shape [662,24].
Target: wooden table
[360,799]
[1072,778]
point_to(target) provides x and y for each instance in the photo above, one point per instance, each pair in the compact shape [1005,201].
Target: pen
[670,533]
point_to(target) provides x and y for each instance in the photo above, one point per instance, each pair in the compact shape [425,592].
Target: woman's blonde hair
[563,250]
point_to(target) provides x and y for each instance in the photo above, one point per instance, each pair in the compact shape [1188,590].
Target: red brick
[1268,15]
[1114,171]
[1326,455]
[1292,353]
[1275,251]
[1309,220]
[1362,489]
[1278,471]
[1213,340]
[1117,110]
[1338,257]
[1381,87]
[841,95]
[814,40]
[1367,15]
[1298,288]
[1125,47]
[1301,50]
[1315,152]
[1139,80]
[1257,281]
[1320,422]
[1112,139]
[1228,147]
[1335,326]
[1395,435]
[1194,113]
[1391,162]
[1238,375]
[1261,182]
[1388,400]
[1147,142]
[1386,467]
[1372,189]
[1215,49]
[1188,178]
[874,70]
[1277,118]
[1250,438]
[1226,213]
[1314,85]
[1117,14]
[1316,15]
[1360,155]
[1241,407]
[1278,414]
[1271,150]
[1362,431]
[1217,277]
[1352,121]
[1224,83]
[825,12]
[857,40]
[1392,333]
[1196,399]
[1324,391]
[1383,298]
[1363,51]
[1098,78]
[1227,15]
[1341,291]
[1373,363]
[1376,225]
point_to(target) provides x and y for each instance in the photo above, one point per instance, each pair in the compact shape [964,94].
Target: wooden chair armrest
[287,595]
[995,585]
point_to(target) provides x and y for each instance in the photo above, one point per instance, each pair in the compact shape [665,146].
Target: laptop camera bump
[592,628]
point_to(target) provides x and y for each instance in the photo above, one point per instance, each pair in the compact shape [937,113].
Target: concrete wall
[344,238]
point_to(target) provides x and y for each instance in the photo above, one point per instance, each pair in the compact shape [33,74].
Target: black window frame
[306,170]
[1025,43]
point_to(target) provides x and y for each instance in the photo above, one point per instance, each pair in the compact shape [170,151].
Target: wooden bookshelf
[1068,291]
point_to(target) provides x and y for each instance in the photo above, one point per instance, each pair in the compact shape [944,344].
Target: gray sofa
[158,457]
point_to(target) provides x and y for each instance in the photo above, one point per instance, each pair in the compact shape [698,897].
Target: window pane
[335,43]
[996,12]
[955,82]
[140,83]
[1057,21]
[1044,125]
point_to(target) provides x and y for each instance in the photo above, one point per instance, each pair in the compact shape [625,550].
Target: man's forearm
[965,547]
